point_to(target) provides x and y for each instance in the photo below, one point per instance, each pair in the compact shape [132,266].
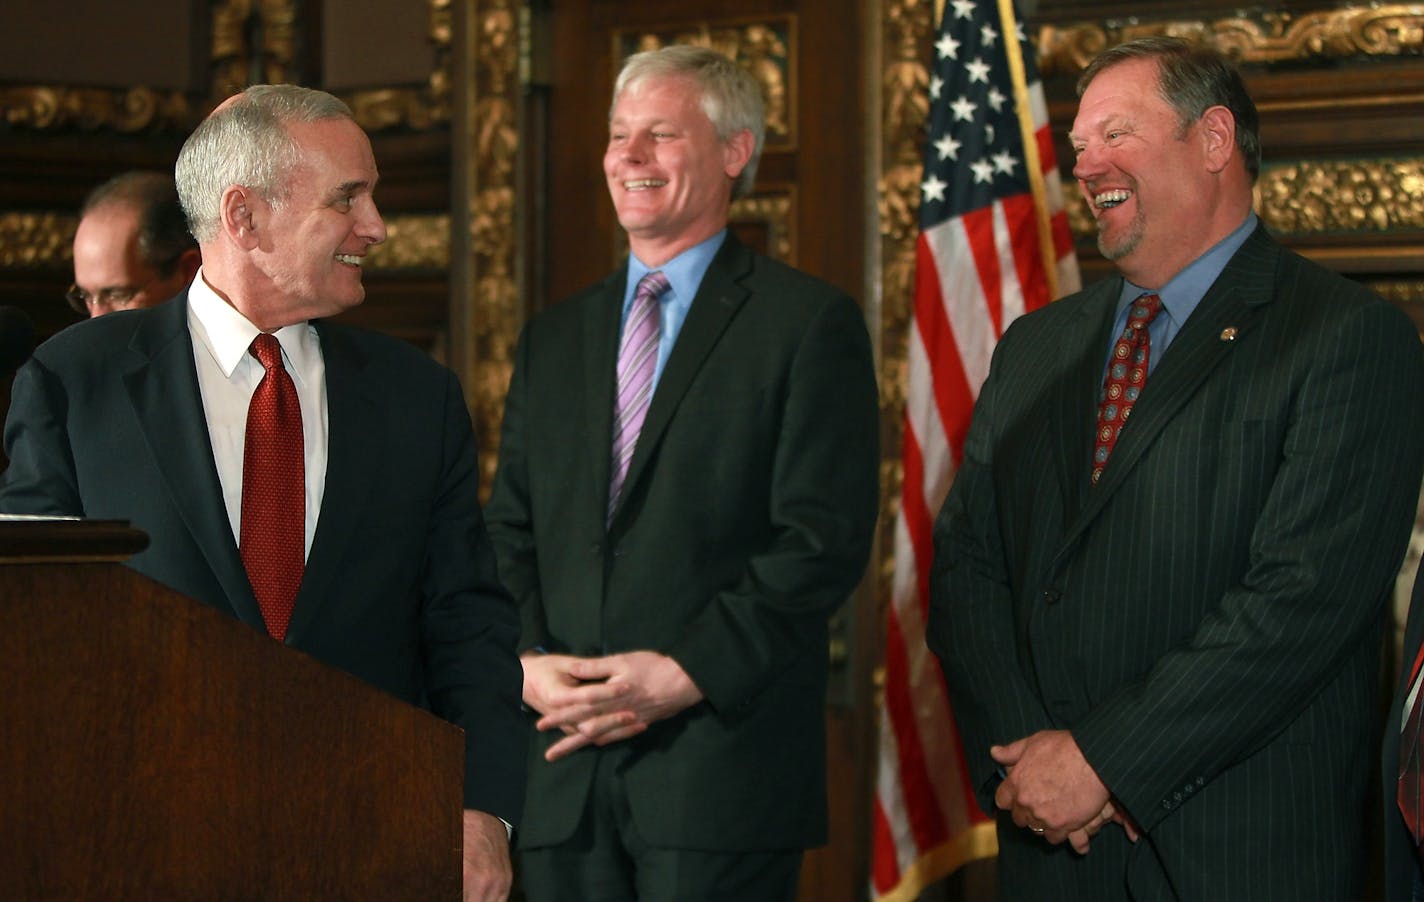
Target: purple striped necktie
[637,358]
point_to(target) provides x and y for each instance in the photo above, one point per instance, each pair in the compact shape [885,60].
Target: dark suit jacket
[1206,620]
[1400,853]
[745,520]
[399,589]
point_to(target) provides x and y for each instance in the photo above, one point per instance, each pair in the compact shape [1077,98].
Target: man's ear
[188,264]
[236,215]
[737,152]
[1218,134]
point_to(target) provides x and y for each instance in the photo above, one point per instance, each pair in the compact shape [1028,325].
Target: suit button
[1051,596]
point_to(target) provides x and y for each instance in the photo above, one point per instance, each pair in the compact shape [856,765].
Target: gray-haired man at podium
[315,481]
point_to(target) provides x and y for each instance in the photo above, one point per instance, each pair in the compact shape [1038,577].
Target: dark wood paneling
[100,43]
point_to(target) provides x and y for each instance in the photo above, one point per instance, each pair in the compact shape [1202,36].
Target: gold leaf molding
[36,240]
[1257,36]
[413,242]
[765,48]
[133,110]
[1315,197]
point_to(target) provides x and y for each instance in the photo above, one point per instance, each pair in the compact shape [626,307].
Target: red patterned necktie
[273,532]
[1127,371]
[1410,804]
[637,358]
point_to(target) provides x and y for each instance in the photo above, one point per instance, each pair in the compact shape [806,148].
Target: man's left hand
[1050,788]
[487,872]
[654,687]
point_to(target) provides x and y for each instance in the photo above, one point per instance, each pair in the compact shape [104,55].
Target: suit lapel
[601,327]
[162,384]
[1073,416]
[718,300]
[350,468]
[1236,300]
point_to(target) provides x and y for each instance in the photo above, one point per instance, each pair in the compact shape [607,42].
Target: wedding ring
[1038,830]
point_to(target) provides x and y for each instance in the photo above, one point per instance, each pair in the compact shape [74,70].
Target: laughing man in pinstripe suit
[1165,673]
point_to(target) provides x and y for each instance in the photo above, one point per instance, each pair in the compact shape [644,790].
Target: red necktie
[1409,764]
[1127,371]
[273,532]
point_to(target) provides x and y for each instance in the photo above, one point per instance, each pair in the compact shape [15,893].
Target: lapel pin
[1228,334]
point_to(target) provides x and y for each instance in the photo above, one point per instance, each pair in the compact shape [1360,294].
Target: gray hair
[1192,78]
[730,96]
[246,142]
[163,235]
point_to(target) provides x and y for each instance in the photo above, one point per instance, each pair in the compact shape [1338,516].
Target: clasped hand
[1052,790]
[598,701]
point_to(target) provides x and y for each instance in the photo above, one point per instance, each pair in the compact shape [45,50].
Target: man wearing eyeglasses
[132,248]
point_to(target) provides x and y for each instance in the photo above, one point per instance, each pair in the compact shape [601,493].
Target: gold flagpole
[1014,52]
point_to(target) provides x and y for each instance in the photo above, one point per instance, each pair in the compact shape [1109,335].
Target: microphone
[17,339]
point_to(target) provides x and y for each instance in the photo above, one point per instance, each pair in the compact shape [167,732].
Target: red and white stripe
[974,275]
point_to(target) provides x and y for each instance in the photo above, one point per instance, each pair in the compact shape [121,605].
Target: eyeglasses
[118,297]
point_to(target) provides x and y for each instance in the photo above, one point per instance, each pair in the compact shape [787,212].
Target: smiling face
[1150,184]
[310,244]
[668,173]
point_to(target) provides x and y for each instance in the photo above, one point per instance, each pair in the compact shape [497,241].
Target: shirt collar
[684,272]
[1185,290]
[228,334]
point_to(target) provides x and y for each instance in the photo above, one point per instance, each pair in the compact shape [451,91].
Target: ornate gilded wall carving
[767,48]
[36,240]
[1254,36]
[413,242]
[493,144]
[1342,196]
[254,42]
[44,108]
[45,241]
[416,108]
[772,212]
[1318,197]
[1405,292]
[906,35]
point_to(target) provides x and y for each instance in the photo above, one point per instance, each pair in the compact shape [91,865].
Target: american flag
[993,244]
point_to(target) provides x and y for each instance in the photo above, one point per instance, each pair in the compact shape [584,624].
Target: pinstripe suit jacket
[1206,620]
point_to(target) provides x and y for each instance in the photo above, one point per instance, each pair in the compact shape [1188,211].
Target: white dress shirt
[227,377]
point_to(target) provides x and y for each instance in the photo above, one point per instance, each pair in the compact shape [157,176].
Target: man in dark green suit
[1162,634]
[676,561]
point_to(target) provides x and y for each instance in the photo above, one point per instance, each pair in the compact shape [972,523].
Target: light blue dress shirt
[684,274]
[1181,295]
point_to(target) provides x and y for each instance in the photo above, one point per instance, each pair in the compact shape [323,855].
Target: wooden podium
[154,748]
